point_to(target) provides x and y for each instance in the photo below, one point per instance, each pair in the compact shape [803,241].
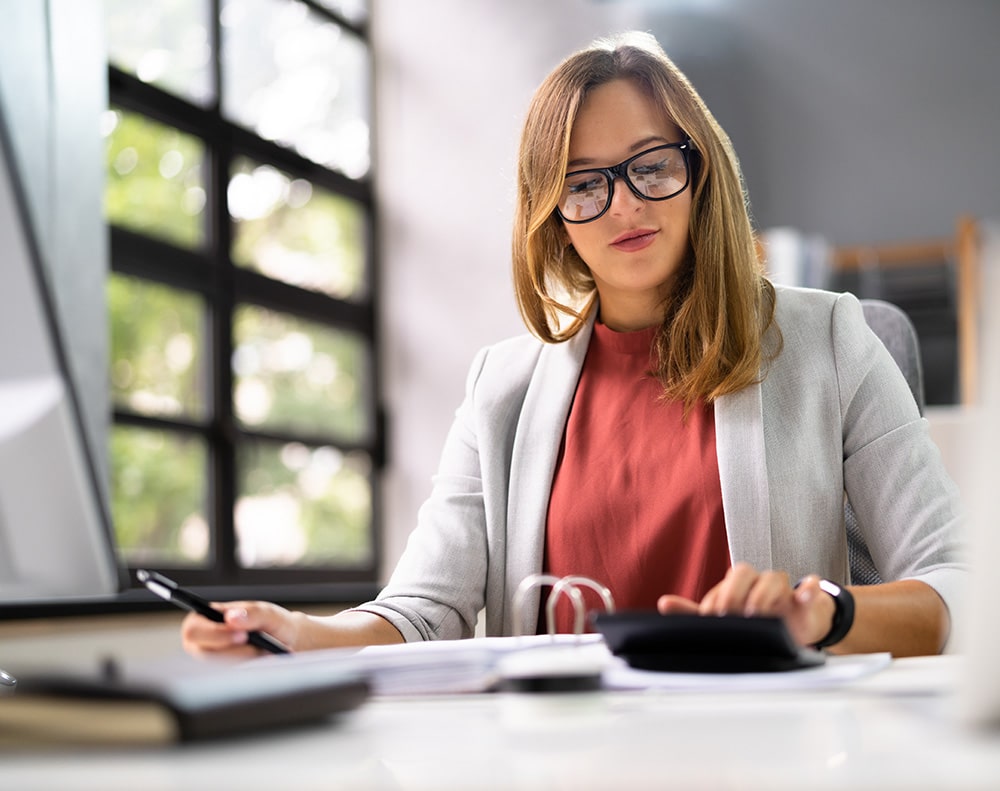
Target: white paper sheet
[835,671]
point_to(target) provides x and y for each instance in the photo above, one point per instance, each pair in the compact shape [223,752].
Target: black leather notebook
[211,703]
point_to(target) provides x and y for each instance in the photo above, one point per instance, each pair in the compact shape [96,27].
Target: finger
[254,615]
[771,594]
[806,589]
[730,595]
[201,636]
[812,613]
[670,604]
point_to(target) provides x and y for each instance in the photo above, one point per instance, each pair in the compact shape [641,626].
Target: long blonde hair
[712,338]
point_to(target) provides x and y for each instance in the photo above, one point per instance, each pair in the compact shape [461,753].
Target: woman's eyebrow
[637,146]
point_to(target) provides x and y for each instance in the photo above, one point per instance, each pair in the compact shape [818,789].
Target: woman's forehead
[614,119]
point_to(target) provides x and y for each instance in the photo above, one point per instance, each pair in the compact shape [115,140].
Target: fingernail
[238,638]
[236,615]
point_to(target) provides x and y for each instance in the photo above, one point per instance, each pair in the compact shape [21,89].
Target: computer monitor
[56,541]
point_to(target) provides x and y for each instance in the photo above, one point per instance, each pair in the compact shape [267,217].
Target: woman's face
[635,249]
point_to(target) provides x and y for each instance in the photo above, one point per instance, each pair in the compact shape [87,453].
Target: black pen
[168,589]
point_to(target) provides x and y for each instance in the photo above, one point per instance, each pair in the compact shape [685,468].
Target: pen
[167,589]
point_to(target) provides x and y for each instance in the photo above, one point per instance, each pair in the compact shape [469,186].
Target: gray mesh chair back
[897,333]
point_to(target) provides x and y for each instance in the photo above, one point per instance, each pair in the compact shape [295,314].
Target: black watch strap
[843,615]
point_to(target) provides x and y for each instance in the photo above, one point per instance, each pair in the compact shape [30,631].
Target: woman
[675,427]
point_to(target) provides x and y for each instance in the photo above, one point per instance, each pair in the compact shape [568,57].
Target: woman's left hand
[807,611]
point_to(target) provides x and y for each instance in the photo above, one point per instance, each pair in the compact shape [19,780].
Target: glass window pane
[297,79]
[155,179]
[292,231]
[159,485]
[294,375]
[157,348]
[303,506]
[352,10]
[163,42]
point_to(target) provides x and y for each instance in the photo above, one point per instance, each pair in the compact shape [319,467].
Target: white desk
[898,729]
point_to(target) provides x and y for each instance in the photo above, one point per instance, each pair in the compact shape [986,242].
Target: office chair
[897,333]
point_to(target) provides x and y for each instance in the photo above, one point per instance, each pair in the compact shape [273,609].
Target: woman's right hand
[204,638]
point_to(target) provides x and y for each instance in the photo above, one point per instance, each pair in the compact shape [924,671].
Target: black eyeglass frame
[620,171]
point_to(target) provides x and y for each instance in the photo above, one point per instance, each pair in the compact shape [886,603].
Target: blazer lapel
[739,444]
[535,452]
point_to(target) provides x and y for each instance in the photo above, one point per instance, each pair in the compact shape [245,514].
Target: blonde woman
[674,426]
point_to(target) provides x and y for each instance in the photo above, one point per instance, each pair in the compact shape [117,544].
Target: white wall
[454,80]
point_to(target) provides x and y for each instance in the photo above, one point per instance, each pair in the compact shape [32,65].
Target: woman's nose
[623,200]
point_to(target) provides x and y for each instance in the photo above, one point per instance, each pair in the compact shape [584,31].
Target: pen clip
[146,577]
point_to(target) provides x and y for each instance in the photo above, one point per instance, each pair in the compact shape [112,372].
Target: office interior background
[859,124]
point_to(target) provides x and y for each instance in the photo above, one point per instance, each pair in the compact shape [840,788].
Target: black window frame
[224,285]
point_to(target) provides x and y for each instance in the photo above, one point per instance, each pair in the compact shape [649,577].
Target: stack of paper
[457,666]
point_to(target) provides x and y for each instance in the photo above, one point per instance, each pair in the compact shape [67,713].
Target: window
[247,439]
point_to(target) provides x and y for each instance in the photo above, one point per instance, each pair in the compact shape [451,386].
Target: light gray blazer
[833,415]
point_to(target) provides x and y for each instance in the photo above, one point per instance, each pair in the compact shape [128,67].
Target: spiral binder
[568,586]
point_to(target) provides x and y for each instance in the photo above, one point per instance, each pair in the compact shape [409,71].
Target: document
[441,667]
[485,664]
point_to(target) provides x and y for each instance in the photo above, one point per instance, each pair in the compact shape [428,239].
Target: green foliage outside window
[159,481]
[155,179]
[156,348]
[303,506]
[295,375]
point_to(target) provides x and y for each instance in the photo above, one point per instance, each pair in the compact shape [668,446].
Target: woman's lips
[632,241]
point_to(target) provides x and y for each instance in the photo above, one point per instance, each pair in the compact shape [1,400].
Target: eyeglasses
[655,174]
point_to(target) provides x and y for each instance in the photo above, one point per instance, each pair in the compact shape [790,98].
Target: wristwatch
[843,615]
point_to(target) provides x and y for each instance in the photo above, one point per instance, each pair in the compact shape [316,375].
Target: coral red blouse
[636,502]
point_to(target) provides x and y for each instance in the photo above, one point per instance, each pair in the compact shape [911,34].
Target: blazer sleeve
[908,507]
[438,587]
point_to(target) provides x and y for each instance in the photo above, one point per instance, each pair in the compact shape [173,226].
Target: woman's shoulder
[820,309]
[797,299]
[505,369]
[505,364]
[517,351]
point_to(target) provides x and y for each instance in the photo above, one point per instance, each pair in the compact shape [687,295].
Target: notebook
[170,702]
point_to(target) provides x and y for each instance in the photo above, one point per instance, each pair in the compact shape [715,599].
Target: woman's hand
[807,611]
[202,637]
[297,630]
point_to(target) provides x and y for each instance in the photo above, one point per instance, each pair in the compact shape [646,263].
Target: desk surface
[898,729]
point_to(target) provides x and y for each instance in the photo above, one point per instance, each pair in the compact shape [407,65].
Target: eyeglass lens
[657,174]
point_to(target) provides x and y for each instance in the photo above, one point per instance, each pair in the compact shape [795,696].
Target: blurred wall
[861,120]
[53,88]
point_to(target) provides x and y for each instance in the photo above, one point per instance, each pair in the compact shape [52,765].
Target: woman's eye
[649,168]
[587,185]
